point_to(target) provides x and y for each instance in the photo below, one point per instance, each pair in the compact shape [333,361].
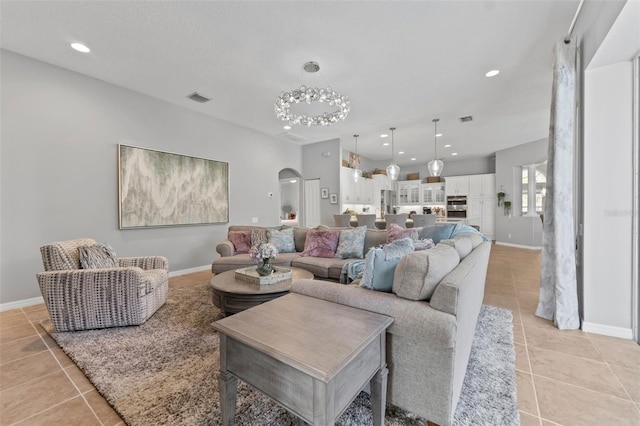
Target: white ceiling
[401,63]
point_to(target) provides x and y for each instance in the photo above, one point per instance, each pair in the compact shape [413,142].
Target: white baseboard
[20,304]
[607,330]
[37,300]
[189,271]
[500,243]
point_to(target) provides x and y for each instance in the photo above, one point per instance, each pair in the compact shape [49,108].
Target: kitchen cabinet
[409,192]
[457,185]
[433,193]
[352,192]
[482,213]
[482,186]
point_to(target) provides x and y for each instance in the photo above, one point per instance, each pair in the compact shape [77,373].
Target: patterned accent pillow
[321,243]
[258,235]
[241,241]
[97,256]
[283,240]
[397,232]
[351,243]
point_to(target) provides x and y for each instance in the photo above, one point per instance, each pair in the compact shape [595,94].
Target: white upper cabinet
[482,186]
[457,185]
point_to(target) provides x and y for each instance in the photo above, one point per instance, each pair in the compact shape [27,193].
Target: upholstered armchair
[81,299]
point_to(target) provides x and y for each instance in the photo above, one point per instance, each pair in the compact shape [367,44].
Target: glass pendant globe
[435,167]
[357,174]
[393,171]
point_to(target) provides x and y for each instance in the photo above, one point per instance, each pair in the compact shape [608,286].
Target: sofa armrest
[412,319]
[225,248]
[146,263]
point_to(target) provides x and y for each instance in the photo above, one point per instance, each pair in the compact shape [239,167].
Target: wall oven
[456,207]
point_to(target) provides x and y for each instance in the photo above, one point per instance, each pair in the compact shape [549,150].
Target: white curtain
[558,299]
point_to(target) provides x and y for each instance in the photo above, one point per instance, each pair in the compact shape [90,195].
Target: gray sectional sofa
[319,267]
[435,299]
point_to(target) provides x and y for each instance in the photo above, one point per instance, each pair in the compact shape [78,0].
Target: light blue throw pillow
[466,229]
[283,240]
[438,232]
[380,264]
[351,243]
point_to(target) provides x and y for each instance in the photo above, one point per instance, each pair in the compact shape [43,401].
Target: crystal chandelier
[357,173]
[435,166]
[393,170]
[312,94]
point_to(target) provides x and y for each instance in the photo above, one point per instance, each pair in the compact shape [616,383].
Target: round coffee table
[235,295]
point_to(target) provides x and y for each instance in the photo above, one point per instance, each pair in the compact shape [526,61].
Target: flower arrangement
[263,251]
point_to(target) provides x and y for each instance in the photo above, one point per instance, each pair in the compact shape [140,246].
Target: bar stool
[342,220]
[368,220]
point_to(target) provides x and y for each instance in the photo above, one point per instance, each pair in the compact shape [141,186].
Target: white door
[312,203]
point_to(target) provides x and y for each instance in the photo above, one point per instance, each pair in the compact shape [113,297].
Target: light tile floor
[563,377]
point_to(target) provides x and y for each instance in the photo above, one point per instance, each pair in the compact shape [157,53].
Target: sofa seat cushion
[229,263]
[418,274]
[321,267]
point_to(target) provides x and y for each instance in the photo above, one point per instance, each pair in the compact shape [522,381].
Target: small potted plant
[501,195]
[264,254]
[507,207]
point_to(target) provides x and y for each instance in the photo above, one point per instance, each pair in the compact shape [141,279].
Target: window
[534,184]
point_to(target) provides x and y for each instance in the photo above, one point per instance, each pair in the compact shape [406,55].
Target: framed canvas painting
[157,188]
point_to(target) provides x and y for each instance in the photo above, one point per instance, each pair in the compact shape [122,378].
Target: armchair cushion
[97,256]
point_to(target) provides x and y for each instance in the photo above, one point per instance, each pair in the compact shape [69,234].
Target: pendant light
[357,173]
[435,166]
[393,170]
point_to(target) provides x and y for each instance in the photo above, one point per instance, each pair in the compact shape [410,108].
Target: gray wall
[518,229]
[59,139]
[327,169]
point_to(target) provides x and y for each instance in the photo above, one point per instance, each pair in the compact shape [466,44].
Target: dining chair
[342,220]
[368,220]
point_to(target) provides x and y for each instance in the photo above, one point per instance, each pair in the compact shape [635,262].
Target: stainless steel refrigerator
[387,201]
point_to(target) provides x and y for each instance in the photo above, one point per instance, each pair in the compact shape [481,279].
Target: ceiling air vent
[291,137]
[466,119]
[195,96]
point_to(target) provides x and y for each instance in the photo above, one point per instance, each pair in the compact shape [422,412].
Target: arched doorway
[290,197]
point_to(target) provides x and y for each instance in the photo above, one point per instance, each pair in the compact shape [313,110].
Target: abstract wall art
[163,189]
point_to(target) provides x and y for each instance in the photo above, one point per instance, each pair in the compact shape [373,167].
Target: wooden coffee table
[234,295]
[311,356]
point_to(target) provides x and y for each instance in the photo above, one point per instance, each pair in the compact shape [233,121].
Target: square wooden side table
[311,356]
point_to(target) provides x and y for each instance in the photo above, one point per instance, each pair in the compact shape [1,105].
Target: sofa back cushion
[321,243]
[241,241]
[374,238]
[438,232]
[351,243]
[283,240]
[418,273]
[380,264]
[462,245]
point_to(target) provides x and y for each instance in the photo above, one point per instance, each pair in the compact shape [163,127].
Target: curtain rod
[567,39]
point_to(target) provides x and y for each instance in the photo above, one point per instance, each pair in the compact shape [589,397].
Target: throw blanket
[351,271]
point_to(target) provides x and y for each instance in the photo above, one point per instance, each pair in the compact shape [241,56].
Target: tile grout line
[64,371]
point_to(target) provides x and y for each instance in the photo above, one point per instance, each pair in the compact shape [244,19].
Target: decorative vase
[264,268]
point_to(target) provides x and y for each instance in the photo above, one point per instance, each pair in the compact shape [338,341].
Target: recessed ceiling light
[447,145]
[413,158]
[385,144]
[384,135]
[293,181]
[400,152]
[287,127]
[80,47]
[454,153]
[492,73]
[438,135]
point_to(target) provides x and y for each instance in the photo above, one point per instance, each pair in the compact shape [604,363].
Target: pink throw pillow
[321,243]
[241,241]
[397,232]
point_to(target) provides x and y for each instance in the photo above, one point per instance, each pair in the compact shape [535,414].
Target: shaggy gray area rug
[164,371]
